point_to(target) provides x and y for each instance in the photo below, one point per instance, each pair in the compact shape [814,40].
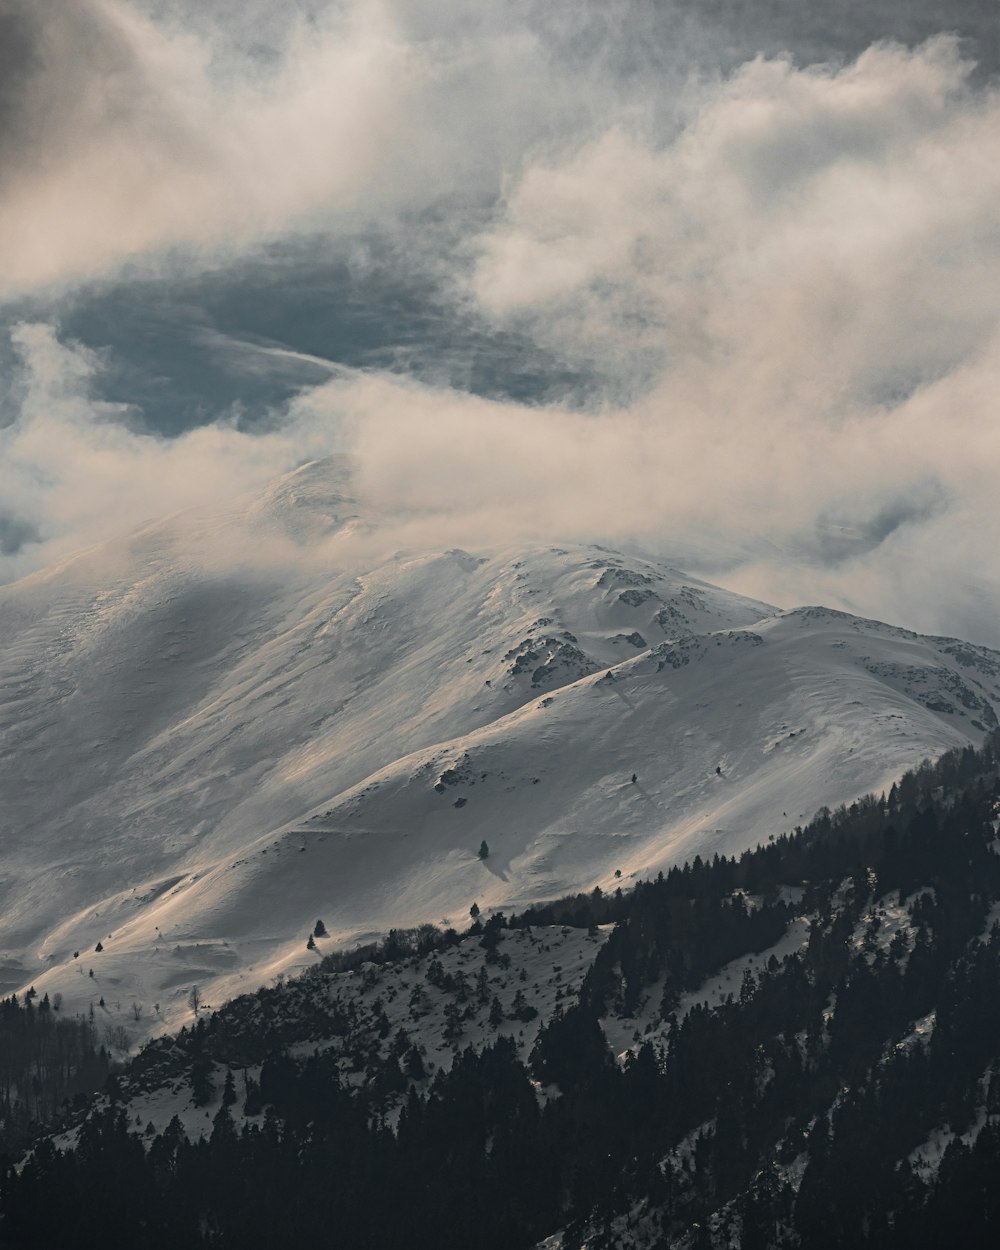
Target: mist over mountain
[238,719]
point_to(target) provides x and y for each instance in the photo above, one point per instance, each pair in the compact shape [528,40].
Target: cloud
[75,471]
[849,211]
[813,263]
[125,136]
[160,132]
[157,135]
[791,287]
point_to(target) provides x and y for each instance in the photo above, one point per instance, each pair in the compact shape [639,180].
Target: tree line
[791,1114]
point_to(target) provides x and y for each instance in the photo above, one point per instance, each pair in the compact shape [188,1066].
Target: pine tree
[223,1129]
[521,1009]
[228,1089]
[413,1065]
[202,1084]
[252,1104]
[452,1022]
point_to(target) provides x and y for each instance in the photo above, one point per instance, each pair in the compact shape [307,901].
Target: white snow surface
[232,723]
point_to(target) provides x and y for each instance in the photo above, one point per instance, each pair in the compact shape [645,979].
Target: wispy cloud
[124,137]
[75,471]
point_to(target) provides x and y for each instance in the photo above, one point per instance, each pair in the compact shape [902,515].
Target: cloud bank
[789,276]
[124,137]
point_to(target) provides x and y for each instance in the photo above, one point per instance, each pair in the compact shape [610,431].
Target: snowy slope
[233,722]
[733,735]
[538,973]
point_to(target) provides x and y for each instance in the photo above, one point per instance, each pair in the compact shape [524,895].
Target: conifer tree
[228,1089]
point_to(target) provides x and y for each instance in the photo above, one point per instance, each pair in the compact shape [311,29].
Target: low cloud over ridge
[789,278]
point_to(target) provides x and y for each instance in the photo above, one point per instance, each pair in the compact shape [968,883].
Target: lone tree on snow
[194,998]
[320,929]
[484,850]
[474,911]
[311,944]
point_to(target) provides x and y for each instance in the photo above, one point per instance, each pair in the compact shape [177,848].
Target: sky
[717,280]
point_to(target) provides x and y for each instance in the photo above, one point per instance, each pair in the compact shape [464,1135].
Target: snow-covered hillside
[234,722]
[437,1004]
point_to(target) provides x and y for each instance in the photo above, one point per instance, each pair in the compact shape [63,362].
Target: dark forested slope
[845,1090]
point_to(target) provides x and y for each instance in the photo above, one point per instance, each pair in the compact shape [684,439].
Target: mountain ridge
[230,722]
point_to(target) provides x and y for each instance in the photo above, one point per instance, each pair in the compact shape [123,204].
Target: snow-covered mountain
[235,722]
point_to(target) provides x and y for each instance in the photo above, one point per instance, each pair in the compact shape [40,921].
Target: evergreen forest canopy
[48,1065]
[790,1114]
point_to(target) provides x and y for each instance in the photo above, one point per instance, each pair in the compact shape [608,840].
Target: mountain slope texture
[233,722]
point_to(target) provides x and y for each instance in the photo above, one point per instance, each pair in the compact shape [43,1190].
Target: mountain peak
[211,751]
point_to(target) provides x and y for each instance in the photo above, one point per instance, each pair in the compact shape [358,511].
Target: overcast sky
[719,280]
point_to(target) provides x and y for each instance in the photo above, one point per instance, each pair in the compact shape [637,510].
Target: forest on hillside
[789,1114]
